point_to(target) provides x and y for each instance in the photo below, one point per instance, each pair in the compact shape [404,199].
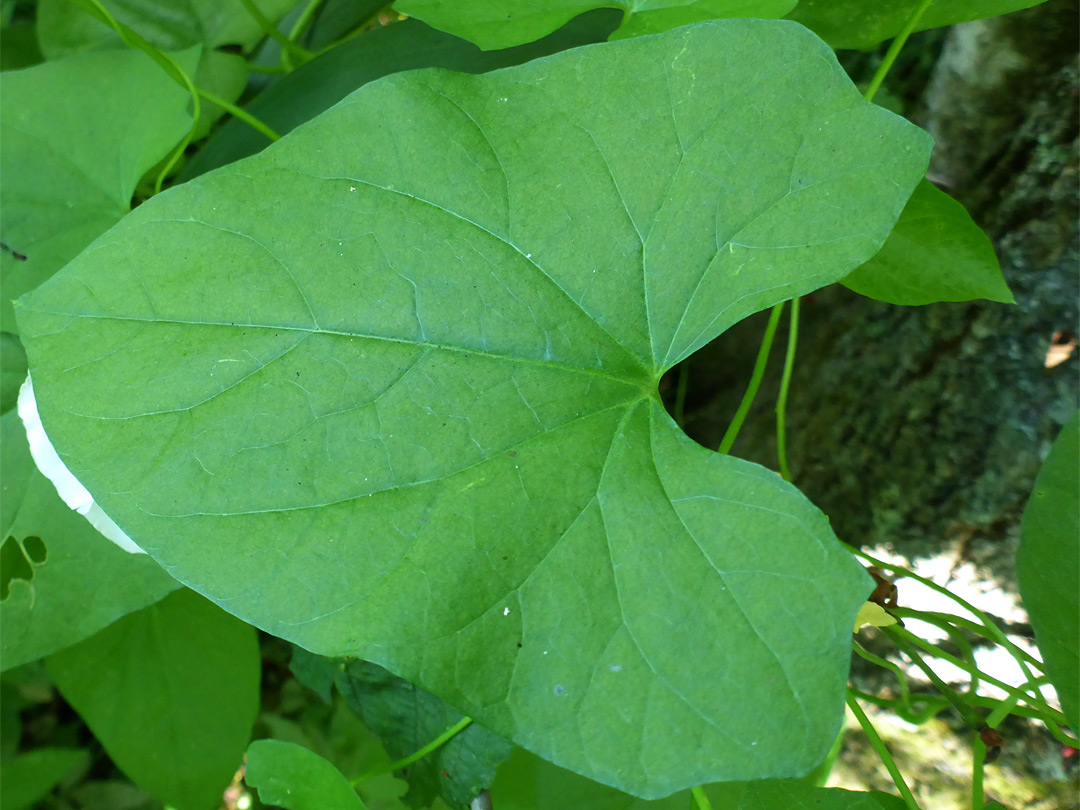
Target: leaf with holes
[79,582]
[395,397]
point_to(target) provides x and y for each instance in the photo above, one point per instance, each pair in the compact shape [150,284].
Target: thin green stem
[934,705]
[978,751]
[947,620]
[304,20]
[894,50]
[973,719]
[993,632]
[785,384]
[883,752]
[700,799]
[356,31]
[441,740]
[287,45]
[680,391]
[866,655]
[240,113]
[756,377]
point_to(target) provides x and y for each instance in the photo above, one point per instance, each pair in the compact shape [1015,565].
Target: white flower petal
[74,494]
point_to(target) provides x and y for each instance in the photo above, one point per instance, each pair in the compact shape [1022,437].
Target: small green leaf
[85,582]
[29,777]
[78,135]
[935,253]
[861,25]
[67,30]
[515,22]
[1048,566]
[395,397]
[291,776]
[406,719]
[171,692]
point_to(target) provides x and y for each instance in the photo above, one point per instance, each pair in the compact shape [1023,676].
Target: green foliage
[515,22]
[30,776]
[62,602]
[451,437]
[935,253]
[858,24]
[389,389]
[291,776]
[78,134]
[171,692]
[1048,566]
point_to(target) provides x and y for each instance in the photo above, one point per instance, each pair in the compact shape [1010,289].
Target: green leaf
[1048,566]
[30,777]
[395,397]
[295,778]
[85,582]
[171,692]
[860,25]
[935,253]
[65,29]
[78,135]
[18,46]
[526,782]
[515,22]
[406,719]
[12,370]
[407,45]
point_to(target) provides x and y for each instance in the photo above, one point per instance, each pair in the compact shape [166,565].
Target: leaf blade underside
[409,407]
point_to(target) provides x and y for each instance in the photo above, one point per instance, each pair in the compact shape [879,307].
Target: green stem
[240,113]
[894,50]
[883,752]
[680,391]
[287,45]
[304,20]
[973,719]
[866,655]
[947,620]
[442,739]
[978,750]
[700,799]
[758,374]
[992,631]
[934,705]
[785,384]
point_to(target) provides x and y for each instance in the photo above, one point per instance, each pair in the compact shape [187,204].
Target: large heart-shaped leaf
[389,390]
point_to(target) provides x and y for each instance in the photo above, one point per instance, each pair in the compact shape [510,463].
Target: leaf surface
[1048,566]
[84,583]
[290,776]
[396,397]
[859,25]
[65,29]
[935,253]
[515,22]
[171,692]
[78,135]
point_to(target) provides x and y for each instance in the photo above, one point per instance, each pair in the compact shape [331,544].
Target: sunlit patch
[1062,345]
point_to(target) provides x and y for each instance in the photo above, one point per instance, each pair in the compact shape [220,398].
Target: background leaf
[396,397]
[515,22]
[84,583]
[30,777]
[295,778]
[171,692]
[65,29]
[407,45]
[935,253]
[1048,566]
[78,135]
[860,25]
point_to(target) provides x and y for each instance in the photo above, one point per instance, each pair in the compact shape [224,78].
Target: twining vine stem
[883,752]
[438,742]
[756,376]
